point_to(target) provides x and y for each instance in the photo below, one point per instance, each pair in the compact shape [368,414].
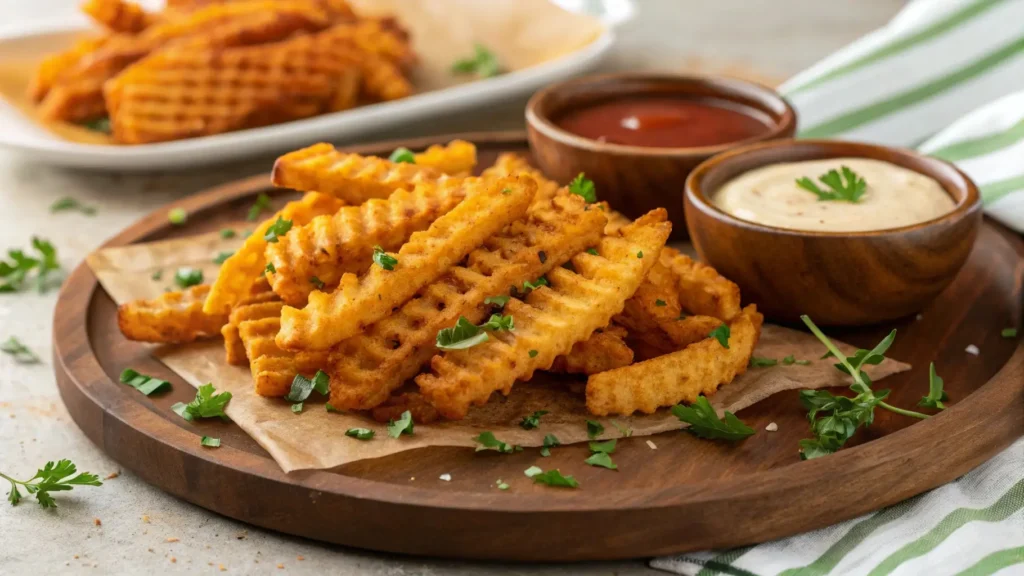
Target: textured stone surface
[139,524]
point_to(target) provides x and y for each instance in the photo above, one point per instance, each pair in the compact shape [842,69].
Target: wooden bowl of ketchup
[638,136]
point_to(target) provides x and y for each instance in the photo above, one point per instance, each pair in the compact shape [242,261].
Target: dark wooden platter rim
[542,525]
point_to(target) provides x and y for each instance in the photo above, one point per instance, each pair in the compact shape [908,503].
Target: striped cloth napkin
[945,77]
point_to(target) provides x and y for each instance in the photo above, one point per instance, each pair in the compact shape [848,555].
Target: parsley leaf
[402,155]
[498,322]
[222,257]
[592,251]
[759,362]
[101,125]
[550,441]
[297,408]
[360,433]
[157,275]
[383,259]
[143,383]
[270,268]
[533,353]
[187,277]
[53,477]
[262,203]
[721,334]
[483,63]
[626,431]
[463,335]
[594,429]
[68,203]
[317,283]
[583,188]
[210,442]
[487,441]
[18,351]
[551,478]
[704,421]
[302,387]
[660,302]
[205,405]
[640,254]
[601,459]
[608,446]
[13,274]
[936,395]
[498,301]
[530,286]
[532,421]
[404,425]
[849,191]
[279,228]
[227,233]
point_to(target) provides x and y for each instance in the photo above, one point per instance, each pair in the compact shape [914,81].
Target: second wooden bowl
[837,278]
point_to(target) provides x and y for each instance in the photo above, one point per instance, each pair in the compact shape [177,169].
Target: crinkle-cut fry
[368,367]
[702,290]
[677,377]
[456,158]
[53,66]
[173,317]
[511,164]
[351,177]
[421,410]
[380,37]
[274,369]
[118,15]
[686,331]
[327,319]
[335,244]
[551,320]
[603,351]
[243,269]
[252,308]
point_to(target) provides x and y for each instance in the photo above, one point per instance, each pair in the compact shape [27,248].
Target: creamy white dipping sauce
[894,197]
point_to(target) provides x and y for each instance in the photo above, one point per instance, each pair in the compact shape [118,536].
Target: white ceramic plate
[22,135]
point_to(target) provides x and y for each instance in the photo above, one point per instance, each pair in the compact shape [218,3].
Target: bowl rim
[968,203]
[543,124]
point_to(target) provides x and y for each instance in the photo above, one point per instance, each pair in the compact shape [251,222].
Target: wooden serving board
[688,494]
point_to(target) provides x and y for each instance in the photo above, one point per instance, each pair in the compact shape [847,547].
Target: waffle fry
[365,369]
[54,66]
[249,309]
[118,15]
[550,322]
[604,350]
[510,164]
[240,272]
[677,377]
[274,369]
[457,158]
[351,177]
[327,319]
[702,290]
[332,245]
[173,317]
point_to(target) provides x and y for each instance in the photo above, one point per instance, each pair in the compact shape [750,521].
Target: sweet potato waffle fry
[327,319]
[248,309]
[604,350]
[366,368]
[551,320]
[240,272]
[341,243]
[118,15]
[677,377]
[352,177]
[172,318]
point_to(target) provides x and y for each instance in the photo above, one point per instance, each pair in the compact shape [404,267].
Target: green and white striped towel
[947,77]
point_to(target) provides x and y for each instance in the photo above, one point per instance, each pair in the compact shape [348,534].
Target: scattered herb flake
[158,275]
[302,387]
[15,273]
[529,286]
[1008,333]
[625,431]
[404,425]
[463,335]
[502,485]
[550,441]
[532,421]
[205,405]
[608,446]
[704,421]
[498,301]
[498,322]
[177,216]
[483,63]
[592,251]
[759,362]
[383,259]
[594,429]
[297,408]
[68,203]
[721,334]
[210,442]
[553,478]
[187,277]
[143,383]
[402,155]
[936,395]
[270,268]
[532,471]
[601,459]
[584,188]
[330,408]
[222,257]
[533,353]
[101,125]
[360,433]
[262,203]
[317,283]
[227,233]
[640,254]
[279,228]
[487,441]
[18,351]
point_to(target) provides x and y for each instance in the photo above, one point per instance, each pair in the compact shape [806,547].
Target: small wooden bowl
[837,278]
[635,179]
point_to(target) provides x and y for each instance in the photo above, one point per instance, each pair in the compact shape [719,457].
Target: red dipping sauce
[666,122]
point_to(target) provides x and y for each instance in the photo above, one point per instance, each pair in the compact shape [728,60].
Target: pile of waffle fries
[366,275]
[202,67]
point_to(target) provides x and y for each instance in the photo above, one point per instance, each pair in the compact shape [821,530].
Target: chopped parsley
[205,405]
[383,259]
[759,362]
[402,156]
[262,203]
[187,277]
[101,125]
[143,383]
[159,274]
[483,63]
[317,283]
[498,301]
[404,425]
[640,254]
[360,433]
[502,485]
[583,188]
[551,478]
[594,429]
[498,322]
[18,351]
[601,459]
[848,187]
[1008,333]
[302,387]
[210,442]
[279,228]
[465,334]
[222,257]
[790,360]
[297,408]
[721,334]
[550,441]
[177,216]
[487,441]
[227,233]
[533,353]
[704,421]
[530,286]
[270,268]
[14,273]
[592,251]
[660,302]
[68,203]
[532,421]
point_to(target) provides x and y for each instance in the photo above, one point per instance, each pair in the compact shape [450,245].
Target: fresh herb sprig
[845,187]
[53,477]
[15,273]
[483,63]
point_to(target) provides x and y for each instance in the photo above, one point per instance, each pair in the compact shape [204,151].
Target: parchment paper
[315,438]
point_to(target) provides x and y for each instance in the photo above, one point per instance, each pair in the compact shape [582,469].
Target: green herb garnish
[68,203]
[205,405]
[487,441]
[360,433]
[222,257]
[601,459]
[227,233]
[210,442]
[1008,333]
[159,274]
[483,63]
[660,302]
[551,478]
[404,425]
[101,125]
[721,334]
[57,477]
[383,259]
[279,228]
[297,408]
[15,273]
[550,441]
[463,335]
[704,421]
[262,203]
[533,353]
[317,283]
[498,301]
[302,387]
[936,395]
[187,277]
[402,156]
[608,446]
[592,251]
[640,254]
[849,191]
[498,322]
[594,429]
[18,351]
[789,360]
[530,286]
[143,383]
[584,188]
[177,216]
[270,268]
[532,421]
[759,362]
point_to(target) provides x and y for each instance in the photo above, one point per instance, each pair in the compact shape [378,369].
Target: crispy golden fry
[240,272]
[616,221]
[368,367]
[421,410]
[173,317]
[340,243]
[604,350]
[510,164]
[327,319]
[274,369]
[702,290]
[53,66]
[249,309]
[677,377]
[550,322]
[457,158]
[118,15]
[351,177]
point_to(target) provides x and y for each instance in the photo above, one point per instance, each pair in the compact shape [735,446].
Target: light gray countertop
[127,526]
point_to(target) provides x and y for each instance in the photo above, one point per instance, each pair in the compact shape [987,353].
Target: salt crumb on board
[652,445]
[772,427]
[972,350]
[446,477]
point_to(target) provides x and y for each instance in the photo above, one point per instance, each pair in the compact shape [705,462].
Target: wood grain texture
[689,494]
[837,278]
[633,179]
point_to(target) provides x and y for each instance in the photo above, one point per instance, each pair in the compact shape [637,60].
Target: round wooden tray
[689,494]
